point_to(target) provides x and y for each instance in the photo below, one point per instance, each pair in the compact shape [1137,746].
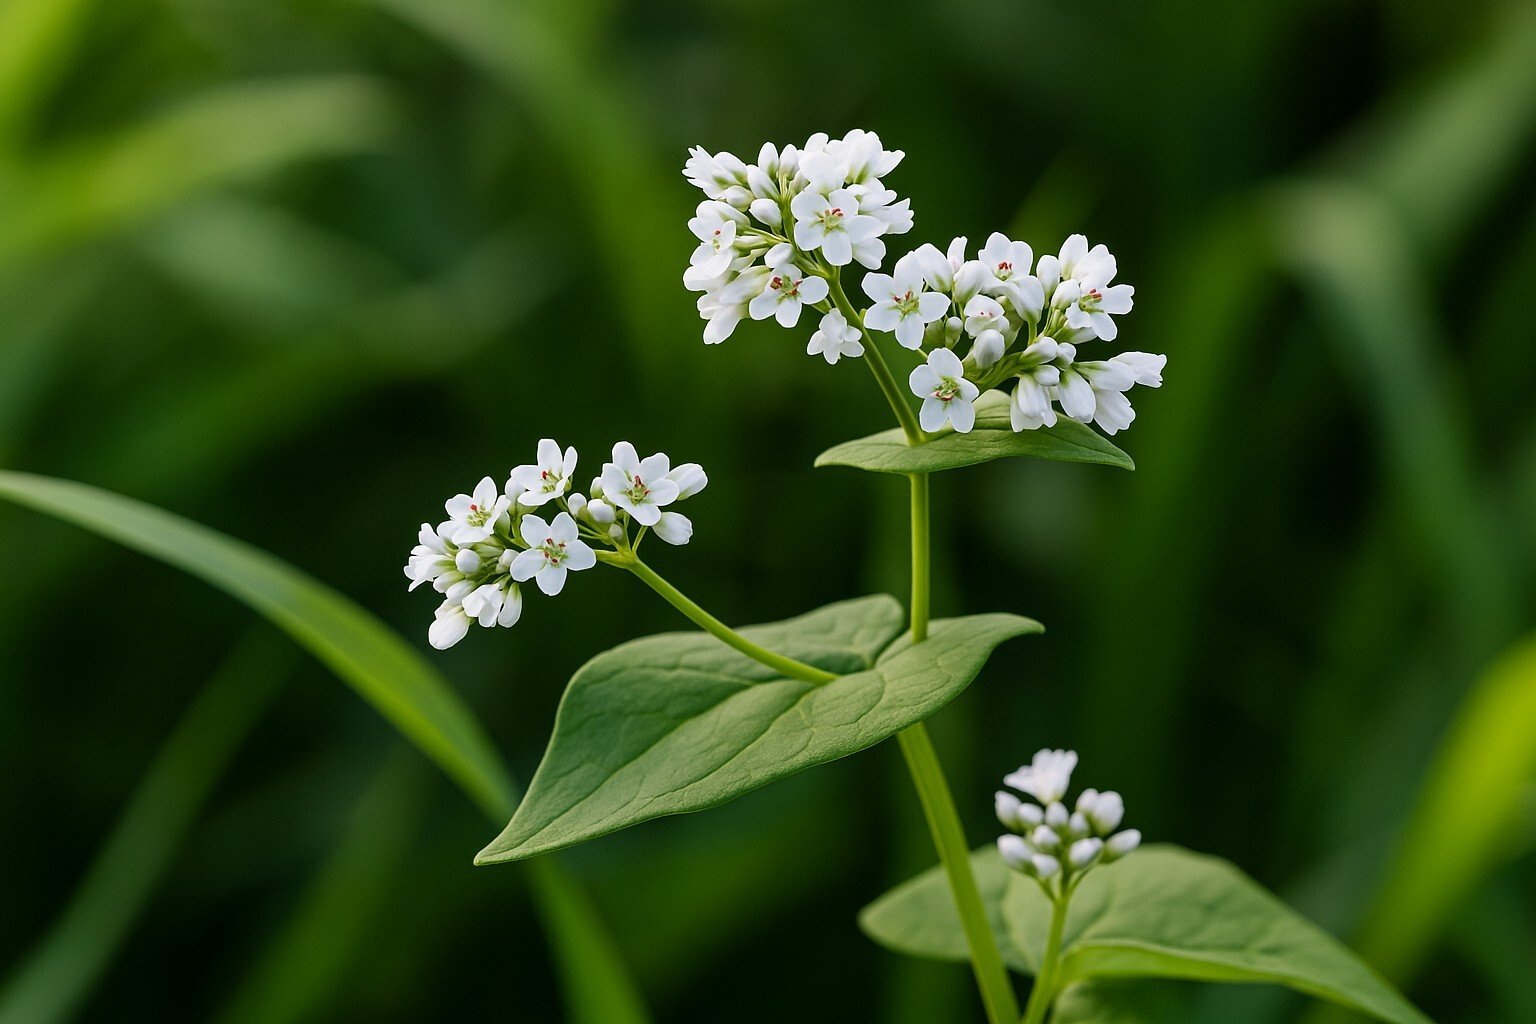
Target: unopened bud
[1107,812]
[577,503]
[1078,827]
[1014,853]
[1007,807]
[599,511]
[1121,844]
[1085,851]
[466,561]
[1056,815]
[1045,866]
[1030,815]
[1043,838]
[988,348]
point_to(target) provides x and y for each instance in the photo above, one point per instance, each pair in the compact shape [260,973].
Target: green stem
[878,366]
[1041,996]
[677,599]
[955,855]
[939,803]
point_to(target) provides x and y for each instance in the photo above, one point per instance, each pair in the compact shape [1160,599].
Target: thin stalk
[677,599]
[877,365]
[921,557]
[1045,982]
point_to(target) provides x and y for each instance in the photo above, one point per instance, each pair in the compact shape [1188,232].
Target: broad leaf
[992,438]
[680,722]
[1123,1001]
[1162,912]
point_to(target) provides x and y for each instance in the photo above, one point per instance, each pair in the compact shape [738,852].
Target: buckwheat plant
[1004,355]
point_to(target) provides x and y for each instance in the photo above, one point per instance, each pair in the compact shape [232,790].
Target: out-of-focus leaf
[1470,805]
[384,670]
[370,657]
[992,438]
[597,988]
[679,722]
[1163,912]
[56,978]
[35,39]
[232,133]
[294,978]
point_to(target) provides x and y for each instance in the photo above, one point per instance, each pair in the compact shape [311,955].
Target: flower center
[831,219]
[477,515]
[637,492]
[906,304]
[789,286]
[1089,302]
[948,388]
[1004,270]
[554,551]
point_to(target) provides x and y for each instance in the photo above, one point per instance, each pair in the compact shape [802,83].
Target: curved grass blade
[992,438]
[1476,794]
[58,976]
[367,655]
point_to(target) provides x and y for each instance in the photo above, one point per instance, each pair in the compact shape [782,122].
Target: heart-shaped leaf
[680,722]
[992,438]
[1163,912]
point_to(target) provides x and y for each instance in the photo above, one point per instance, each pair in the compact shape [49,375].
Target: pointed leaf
[680,722]
[992,438]
[1163,912]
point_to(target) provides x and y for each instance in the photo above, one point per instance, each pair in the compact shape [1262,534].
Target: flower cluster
[497,538]
[1046,841]
[772,233]
[1013,323]
[774,237]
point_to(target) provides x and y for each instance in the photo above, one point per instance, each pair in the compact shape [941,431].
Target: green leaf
[680,722]
[1163,912]
[370,657]
[992,438]
[1122,1001]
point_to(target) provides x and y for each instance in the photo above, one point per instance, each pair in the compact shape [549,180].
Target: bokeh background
[301,270]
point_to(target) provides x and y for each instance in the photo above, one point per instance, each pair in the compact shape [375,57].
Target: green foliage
[679,722]
[1163,912]
[992,438]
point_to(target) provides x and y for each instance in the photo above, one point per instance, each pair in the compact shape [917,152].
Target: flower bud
[968,281]
[1086,801]
[1030,815]
[1014,853]
[596,490]
[1084,852]
[674,528]
[1045,866]
[988,348]
[1007,807]
[616,531]
[690,479]
[1121,844]
[466,561]
[1107,812]
[1043,838]
[1056,815]
[767,211]
[1078,827]
[952,330]
[578,504]
[599,511]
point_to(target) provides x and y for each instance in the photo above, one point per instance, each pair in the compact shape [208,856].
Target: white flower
[728,304]
[989,348]
[1046,777]
[553,548]
[714,174]
[876,201]
[1084,290]
[831,223]
[498,603]
[947,396]
[900,303]
[690,479]
[1090,308]
[430,558]
[473,517]
[835,338]
[639,487]
[1146,367]
[449,625]
[715,226]
[531,486]
[1007,265]
[674,528]
[863,157]
[983,314]
[786,291]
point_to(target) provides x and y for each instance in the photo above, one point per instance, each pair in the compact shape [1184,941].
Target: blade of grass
[55,979]
[371,658]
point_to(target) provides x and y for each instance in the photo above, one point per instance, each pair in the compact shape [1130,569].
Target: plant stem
[1044,992]
[877,365]
[939,803]
[677,599]
[955,854]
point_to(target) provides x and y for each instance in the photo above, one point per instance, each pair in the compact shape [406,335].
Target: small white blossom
[547,479]
[900,303]
[715,226]
[989,348]
[714,174]
[1046,777]
[947,396]
[430,558]
[474,517]
[1007,265]
[786,291]
[640,488]
[835,338]
[831,223]
[449,625]
[674,528]
[983,313]
[553,549]
[690,479]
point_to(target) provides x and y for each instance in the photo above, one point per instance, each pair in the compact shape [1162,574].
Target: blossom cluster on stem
[775,236]
[537,528]
[1046,841]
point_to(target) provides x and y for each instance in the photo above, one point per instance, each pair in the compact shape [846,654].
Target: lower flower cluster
[497,538]
[1047,842]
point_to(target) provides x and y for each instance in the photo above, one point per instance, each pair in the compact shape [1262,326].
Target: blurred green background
[301,270]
